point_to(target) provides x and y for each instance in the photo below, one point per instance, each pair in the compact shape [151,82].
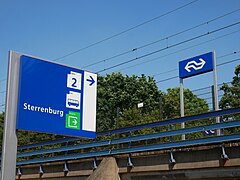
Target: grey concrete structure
[203,162]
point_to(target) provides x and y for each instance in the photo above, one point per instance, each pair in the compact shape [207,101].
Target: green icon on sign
[73,120]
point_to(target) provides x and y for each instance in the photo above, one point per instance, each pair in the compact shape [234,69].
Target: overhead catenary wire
[172,54]
[127,30]
[207,98]
[168,47]
[176,69]
[204,93]
[157,58]
[162,39]
[137,49]
[174,77]
[207,87]
[228,62]
[209,91]
[146,45]
[167,79]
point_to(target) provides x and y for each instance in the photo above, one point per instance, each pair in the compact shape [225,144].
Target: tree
[231,96]
[192,105]
[231,99]
[118,95]
[1,128]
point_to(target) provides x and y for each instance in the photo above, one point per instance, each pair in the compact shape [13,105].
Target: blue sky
[53,29]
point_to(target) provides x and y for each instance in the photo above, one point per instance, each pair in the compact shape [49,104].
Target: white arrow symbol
[195,65]
[75,122]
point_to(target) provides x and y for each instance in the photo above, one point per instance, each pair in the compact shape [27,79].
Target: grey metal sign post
[215,86]
[182,106]
[194,66]
[9,148]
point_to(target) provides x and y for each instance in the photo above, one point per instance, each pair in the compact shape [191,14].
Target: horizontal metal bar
[47,143]
[62,158]
[178,132]
[173,121]
[134,138]
[210,140]
[67,148]
[149,125]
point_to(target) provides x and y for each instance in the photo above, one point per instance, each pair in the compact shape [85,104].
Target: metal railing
[106,142]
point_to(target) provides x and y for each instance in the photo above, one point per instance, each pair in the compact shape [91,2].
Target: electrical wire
[127,30]
[204,93]
[157,58]
[199,89]
[146,45]
[174,77]
[228,62]
[157,41]
[168,47]
[176,69]
[211,98]
[216,65]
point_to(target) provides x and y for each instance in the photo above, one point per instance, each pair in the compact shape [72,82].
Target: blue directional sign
[56,99]
[196,65]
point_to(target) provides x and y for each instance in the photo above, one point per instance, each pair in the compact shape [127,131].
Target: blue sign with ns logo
[196,65]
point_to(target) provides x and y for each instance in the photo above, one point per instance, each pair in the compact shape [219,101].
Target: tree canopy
[117,94]
[231,96]
[1,127]
[231,99]
[192,104]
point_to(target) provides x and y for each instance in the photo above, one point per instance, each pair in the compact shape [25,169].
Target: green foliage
[26,137]
[1,128]
[118,95]
[135,116]
[231,99]
[192,104]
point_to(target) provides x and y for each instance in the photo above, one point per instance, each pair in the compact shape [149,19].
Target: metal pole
[160,109]
[182,105]
[216,105]
[9,149]
[213,98]
[117,119]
